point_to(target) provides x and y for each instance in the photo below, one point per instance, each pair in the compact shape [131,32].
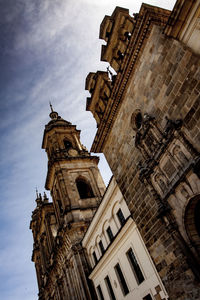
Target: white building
[122,267]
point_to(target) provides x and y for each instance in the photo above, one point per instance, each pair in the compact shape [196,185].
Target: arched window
[84,189]
[67,144]
[192,221]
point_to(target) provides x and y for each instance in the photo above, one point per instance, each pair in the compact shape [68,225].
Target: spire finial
[51,106]
[36,192]
[38,198]
[46,200]
[53,114]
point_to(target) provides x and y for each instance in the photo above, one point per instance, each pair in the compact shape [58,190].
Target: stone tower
[76,187]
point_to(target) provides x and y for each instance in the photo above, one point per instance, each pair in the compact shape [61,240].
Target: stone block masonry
[164,83]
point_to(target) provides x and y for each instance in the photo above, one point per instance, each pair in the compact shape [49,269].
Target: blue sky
[47,49]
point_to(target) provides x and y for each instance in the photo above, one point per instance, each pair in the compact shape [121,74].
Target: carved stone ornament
[73,152]
[151,140]
[136,119]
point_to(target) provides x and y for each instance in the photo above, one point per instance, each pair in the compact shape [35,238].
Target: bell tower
[58,227]
[73,177]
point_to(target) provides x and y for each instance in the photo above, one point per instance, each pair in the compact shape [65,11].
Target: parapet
[116,30]
[99,86]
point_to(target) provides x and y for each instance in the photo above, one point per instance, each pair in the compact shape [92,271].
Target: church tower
[76,187]
[73,178]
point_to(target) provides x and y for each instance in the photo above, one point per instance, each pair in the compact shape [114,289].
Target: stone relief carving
[166,154]
[161,181]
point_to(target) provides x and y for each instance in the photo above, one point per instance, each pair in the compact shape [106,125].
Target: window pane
[147,297]
[99,292]
[121,279]
[95,257]
[110,234]
[110,289]
[135,267]
[121,217]
[101,247]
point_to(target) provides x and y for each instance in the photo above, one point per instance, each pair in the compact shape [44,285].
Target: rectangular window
[109,233]
[121,279]
[110,289]
[99,292]
[147,297]
[121,217]
[95,257]
[135,267]
[101,247]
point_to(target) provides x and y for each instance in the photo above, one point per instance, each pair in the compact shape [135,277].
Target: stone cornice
[147,17]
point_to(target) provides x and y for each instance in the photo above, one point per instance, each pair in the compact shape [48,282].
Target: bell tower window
[67,144]
[84,189]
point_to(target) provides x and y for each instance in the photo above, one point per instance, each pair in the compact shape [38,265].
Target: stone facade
[148,130]
[76,187]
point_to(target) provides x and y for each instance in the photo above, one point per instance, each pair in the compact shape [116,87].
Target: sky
[47,49]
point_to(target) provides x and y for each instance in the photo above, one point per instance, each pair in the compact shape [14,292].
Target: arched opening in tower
[67,144]
[84,189]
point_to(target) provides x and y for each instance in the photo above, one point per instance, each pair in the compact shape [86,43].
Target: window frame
[138,274]
[109,288]
[121,279]
[110,234]
[94,256]
[101,247]
[121,218]
[99,292]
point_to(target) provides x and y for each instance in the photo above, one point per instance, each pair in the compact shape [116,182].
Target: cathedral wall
[166,82]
